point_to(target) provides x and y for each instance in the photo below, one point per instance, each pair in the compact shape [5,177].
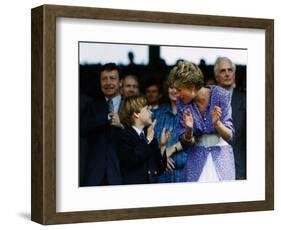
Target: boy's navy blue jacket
[140,162]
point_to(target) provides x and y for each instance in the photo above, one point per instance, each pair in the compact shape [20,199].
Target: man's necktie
[110,106]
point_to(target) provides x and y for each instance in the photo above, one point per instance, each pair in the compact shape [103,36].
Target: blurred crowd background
[154,64]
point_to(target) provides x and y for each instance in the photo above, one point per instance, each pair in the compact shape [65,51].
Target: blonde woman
[205,127]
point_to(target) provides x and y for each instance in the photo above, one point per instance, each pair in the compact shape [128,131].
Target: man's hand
[115,120]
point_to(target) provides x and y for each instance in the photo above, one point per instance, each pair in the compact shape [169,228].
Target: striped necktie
[110,106]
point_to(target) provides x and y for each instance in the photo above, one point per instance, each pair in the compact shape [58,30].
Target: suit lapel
[133,133]
[235,103]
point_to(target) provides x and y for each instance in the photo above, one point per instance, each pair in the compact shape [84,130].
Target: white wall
[15,113]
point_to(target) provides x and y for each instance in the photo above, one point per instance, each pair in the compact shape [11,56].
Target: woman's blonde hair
[131,105]
[186,74]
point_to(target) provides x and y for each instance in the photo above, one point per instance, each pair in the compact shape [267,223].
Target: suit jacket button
[155,172]
[149,172]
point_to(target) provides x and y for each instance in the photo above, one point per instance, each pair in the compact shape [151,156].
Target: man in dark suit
[99,129]
[224,70]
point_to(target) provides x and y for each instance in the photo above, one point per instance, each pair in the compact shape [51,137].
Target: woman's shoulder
[162,108]
[220,96]
[217,90]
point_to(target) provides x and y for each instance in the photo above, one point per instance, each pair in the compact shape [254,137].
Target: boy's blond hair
[131,105]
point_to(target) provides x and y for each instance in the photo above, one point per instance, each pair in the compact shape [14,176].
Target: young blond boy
[139,154]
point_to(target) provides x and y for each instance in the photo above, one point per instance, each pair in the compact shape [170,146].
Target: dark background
[156,70]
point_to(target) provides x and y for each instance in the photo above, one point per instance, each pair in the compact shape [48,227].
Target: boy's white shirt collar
[139,131]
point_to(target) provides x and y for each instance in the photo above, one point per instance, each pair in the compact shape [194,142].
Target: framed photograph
[71,49]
